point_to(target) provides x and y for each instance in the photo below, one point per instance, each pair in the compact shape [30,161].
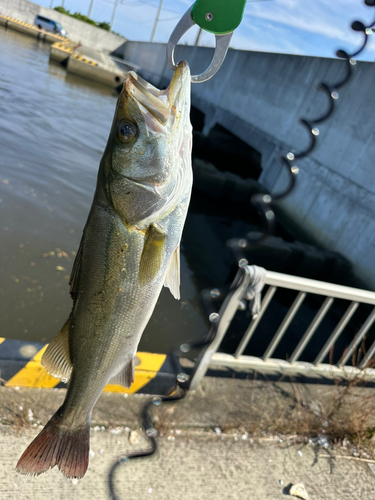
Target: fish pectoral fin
[125,377]
[172,279]
[56,358]
[152,256]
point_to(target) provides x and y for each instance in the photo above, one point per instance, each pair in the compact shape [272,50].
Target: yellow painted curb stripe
[33,374]
[2,339]
[62,49]
[84,60]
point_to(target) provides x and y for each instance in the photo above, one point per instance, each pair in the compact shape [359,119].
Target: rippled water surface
[53,129]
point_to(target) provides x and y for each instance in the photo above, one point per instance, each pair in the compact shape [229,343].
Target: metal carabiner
[221,47]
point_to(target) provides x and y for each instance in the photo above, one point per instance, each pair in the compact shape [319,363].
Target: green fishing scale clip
[220,17]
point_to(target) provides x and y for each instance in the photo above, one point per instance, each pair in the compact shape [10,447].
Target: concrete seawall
[79,31]
[259,97]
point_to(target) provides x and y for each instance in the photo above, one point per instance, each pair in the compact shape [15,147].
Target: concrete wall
[259,97]
[20,9]
[79,31]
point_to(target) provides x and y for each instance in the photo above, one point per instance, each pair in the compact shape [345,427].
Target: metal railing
[294,365]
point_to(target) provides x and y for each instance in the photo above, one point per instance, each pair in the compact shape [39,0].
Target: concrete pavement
[207,448]
[189,465]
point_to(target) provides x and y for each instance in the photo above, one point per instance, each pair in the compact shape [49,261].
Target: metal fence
[294,365]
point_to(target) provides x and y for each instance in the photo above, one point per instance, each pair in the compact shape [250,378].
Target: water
[53,129]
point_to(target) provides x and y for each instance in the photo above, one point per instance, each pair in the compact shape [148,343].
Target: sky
[314,27]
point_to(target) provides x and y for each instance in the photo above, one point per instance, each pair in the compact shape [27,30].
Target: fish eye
[126,131]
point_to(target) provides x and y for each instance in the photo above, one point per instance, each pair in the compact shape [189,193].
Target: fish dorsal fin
[152,255]
[56,358]
[73,282]
[125,377]
[172,279]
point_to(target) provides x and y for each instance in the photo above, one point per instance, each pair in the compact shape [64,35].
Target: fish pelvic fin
[56,445]
[56,358]
[172,279]
[125,377]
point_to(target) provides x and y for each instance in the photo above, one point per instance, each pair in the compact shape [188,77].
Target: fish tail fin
[56,445]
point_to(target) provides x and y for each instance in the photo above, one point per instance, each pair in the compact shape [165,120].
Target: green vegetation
[104,26]
[85,19]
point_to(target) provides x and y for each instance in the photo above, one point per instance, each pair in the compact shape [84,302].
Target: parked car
[49,25]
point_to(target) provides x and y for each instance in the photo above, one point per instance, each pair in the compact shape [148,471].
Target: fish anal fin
[56,358]
[172,279]
[125,376]
[152,256]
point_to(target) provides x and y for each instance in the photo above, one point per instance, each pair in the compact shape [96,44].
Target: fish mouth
[159,106]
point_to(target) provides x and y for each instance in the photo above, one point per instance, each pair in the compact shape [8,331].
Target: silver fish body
[129,250]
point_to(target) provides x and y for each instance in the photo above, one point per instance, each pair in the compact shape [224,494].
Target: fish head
[148,155]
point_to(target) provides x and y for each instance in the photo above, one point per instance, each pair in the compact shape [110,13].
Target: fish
[129,249]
